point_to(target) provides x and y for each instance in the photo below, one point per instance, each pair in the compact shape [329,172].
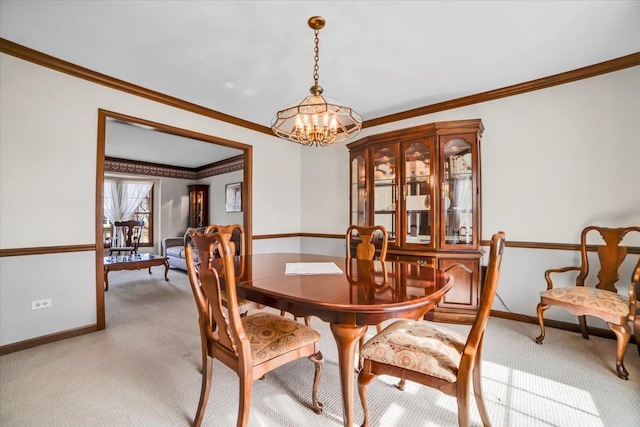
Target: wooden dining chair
[126,237]
[252,345]
[234,235]
[601,301]
[634,306]
[432,355]
[364,238]
[360,245]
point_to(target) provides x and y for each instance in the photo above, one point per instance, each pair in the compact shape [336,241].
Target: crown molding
[218,168]
[115,165]
[31,55]
[517,89]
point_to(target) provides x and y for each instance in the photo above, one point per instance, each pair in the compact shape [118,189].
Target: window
[144,213]
[126,199]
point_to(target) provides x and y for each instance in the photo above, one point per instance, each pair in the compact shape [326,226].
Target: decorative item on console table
[432,206]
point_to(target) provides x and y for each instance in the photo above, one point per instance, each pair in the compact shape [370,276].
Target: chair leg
[318,360]
[623,333]
[246,384]
[477,388]
[540,310]
[583,326]
[462,397]
[207,364]
[636,331]
[401,383]
[364,378]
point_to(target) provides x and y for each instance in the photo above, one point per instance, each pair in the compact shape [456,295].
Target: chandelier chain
[316,57]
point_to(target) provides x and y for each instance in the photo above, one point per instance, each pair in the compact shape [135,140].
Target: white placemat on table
[304,268]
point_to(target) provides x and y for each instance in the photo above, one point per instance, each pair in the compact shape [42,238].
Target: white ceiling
[249,59]
[134,142]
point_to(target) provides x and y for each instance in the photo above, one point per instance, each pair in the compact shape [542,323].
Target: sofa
[173,249]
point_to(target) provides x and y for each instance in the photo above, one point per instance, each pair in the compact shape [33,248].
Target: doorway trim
[247,194]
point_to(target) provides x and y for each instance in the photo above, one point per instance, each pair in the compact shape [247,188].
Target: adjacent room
[271,213]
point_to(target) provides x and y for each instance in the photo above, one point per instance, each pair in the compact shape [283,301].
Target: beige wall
[217,211]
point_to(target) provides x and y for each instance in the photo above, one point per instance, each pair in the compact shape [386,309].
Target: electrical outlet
[43,303]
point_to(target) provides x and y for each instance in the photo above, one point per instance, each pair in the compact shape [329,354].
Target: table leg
[347,337]
[106,279]
[166,269]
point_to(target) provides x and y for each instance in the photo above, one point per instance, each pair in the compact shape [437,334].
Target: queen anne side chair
[126,237]
[252,345]
[601,301]
[365,249]
[234,235]
[432,355]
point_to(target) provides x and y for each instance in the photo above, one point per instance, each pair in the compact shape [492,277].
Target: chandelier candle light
[316,120]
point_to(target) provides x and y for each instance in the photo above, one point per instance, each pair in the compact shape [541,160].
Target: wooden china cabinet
[198,205]
[423,185]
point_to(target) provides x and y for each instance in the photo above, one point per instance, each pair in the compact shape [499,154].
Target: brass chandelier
[316,119]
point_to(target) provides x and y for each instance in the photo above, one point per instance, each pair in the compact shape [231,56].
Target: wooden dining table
[365,293]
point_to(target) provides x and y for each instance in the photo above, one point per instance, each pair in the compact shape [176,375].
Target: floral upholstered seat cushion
[271,335]
[418,346]
[593,298]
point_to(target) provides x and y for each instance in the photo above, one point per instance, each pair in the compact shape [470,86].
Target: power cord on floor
[519,324]
[503,304]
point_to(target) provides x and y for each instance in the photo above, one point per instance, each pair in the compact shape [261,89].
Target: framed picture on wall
[233,197]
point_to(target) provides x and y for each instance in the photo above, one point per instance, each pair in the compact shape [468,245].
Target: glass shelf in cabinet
[418,180]
[458,241]
[459,176]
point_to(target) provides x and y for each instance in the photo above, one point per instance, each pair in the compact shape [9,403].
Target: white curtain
[122,198]
[463,197]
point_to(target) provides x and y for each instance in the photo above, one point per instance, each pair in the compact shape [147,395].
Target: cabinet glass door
[385,195]
[417,194]
[457,192]
[358,191]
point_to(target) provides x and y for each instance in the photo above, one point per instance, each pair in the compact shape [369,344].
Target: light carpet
[144,370]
